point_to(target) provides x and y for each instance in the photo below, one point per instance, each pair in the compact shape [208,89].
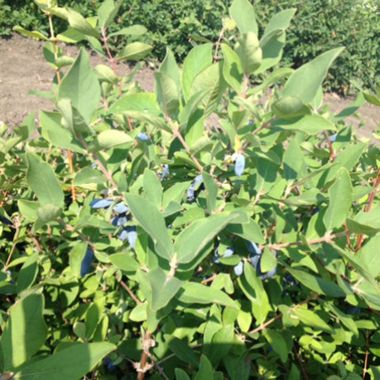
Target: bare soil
[23,68]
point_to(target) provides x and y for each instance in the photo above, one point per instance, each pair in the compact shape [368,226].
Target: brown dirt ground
[23,68]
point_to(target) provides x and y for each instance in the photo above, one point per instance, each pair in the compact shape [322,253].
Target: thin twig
[366,358]
[325,239]
[217,45]
[300,361]
[15,238]
[265,325]
[130,292]
[178,134]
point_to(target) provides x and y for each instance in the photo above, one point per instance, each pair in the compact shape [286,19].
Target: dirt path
[23,68]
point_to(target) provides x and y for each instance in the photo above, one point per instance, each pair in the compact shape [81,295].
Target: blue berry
[227,253]
[239,164]
[165,172]
[121,208]
[238,269]
[86,265]
[119,221]
[143,137]
[101,203]
[193,187]
[332,138]
[129,233]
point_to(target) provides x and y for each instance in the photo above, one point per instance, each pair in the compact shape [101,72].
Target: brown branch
[143,365]
[130,292]
[106,46]
[265,325]
[300,361]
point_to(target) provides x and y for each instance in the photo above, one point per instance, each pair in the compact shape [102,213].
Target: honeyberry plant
[209,229]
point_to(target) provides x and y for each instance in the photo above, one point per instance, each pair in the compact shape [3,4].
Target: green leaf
[28,209]
[316,283]
[79,23]
[124,262]
[205,372]
[190,242]
[76,255]
[26,33]
[268,260]
[249,52]
[81,357]
[25,331]
[253,288]
[134,51]
[163,288]
[153,223]
[152,187]
[195,62]
[167,94]
[310,124]
[112,137]
[182,351]
[140,101]
[369,256]
[27,274]
[43,182]
[310,318]
[278,343]
[89,178]
[133,30]
[273,40]
[243,13]
[107,12]
[81,86]
[180,374]
[340,199]
[193,292]
[170,68]
[365,222]
[304,83]
[232,68]
[211,192]
[209,81]
[52,131]
[249,231]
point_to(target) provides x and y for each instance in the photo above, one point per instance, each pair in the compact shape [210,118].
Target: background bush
[317,26]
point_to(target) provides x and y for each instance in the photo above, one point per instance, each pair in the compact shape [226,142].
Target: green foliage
[317,26]
[209,229]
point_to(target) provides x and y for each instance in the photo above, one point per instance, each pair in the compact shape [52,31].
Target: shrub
[202,231]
